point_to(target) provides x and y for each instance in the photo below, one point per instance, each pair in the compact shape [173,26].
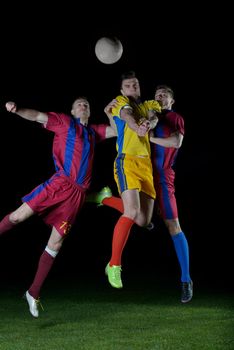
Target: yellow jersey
[128,142]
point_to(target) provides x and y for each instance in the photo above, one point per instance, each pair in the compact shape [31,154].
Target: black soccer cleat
[186,291]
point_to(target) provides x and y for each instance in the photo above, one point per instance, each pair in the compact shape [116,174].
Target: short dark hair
[165,87]
[127,75]
[80,98]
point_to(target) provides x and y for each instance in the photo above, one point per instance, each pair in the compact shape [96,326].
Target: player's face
[81,108]
[164,98]
[131,88]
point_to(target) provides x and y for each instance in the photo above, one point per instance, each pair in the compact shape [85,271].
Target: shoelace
[38,302]
[117,273]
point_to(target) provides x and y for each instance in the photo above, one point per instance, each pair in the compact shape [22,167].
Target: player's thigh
[21,214]
[56,240]
[147,206]
[131,202]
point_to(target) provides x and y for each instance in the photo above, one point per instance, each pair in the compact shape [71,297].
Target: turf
[145,315]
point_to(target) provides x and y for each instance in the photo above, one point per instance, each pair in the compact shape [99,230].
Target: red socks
[120,237]
[5,224]
[114,202]
[45,263]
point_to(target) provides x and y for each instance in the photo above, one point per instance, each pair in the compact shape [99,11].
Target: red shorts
[57,201]
[165,189]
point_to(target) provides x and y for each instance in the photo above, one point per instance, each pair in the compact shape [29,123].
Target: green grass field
[93,316]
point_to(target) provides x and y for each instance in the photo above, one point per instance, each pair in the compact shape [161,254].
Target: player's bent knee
[173,226]
[55,245]
[15,218]
[142,222]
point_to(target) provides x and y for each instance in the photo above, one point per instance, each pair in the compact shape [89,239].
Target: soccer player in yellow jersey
[132,168]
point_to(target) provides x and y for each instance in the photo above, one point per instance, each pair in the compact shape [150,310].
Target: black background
[47,59]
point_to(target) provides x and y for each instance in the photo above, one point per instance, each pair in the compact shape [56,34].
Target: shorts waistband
[72,182]
[129,156]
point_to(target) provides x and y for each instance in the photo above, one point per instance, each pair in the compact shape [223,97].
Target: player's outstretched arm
[29,114]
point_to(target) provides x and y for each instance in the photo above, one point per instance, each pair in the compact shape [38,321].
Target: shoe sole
[186,301]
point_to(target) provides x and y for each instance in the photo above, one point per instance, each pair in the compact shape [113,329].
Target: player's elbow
[178,144]
[178,140]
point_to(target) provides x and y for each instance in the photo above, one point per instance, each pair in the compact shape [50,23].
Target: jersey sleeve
[179,124]
[122,102]
[100,131]
[56,122]
[153,105]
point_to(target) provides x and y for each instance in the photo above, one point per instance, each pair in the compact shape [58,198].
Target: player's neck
[136,99]
[84,121]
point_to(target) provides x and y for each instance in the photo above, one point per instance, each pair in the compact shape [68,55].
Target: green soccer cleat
[114,275]
[97,197]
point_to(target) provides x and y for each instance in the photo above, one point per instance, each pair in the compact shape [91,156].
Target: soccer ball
[108,50]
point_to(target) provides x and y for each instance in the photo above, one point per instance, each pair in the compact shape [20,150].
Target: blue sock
[182,252]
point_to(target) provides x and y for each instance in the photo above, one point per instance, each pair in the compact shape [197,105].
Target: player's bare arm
[174,140]
[110,132]
[108,111]
[29,114]
[139,125]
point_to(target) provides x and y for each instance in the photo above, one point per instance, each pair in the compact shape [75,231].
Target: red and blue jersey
[169,123]
[59,199]
[163,159]
[73,146]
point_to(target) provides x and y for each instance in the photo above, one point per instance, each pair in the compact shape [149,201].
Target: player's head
[165,96]
[81,108]
[129,85]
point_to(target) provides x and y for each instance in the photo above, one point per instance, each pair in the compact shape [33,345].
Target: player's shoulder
[93,126]
[58,115]
[122,102]
[122,99]
[58,118]
[175,115]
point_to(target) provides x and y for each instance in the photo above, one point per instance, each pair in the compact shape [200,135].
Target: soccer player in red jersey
[59,199]
[166,139]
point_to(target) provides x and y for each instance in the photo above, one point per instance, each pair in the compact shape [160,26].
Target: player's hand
[143,128]
[11,107]
[108,108]
[153,118]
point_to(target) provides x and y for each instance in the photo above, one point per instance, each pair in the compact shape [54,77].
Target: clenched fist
[11,107]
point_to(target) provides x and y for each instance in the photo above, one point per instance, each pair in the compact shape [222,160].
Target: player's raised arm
[26,113]
[108,111]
